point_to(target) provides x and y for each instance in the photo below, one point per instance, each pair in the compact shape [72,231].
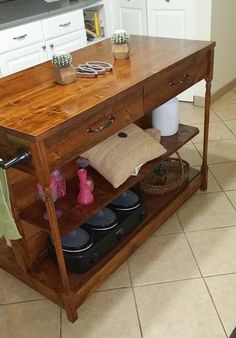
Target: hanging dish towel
[8,226]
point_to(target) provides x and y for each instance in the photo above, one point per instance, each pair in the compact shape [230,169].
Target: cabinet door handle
[44,47]
[51,45]
[111,119]
[65,24]
[21,37]
[184,79]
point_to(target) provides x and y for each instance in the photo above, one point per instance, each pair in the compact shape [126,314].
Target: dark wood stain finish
[52,122]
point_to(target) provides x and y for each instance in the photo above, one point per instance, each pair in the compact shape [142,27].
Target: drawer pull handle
[21,156]
[65,24]
[184,79]
[21,37]
[111,119]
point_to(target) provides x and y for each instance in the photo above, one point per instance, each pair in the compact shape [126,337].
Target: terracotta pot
[65,75]
[121,51]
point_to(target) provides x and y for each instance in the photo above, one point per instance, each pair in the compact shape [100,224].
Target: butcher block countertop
[33,105]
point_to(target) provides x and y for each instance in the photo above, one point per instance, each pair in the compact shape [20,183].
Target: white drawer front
[20,36]
[63,24]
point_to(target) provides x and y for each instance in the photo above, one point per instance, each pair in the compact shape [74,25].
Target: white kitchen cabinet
[175,19]
[20,36]
[69,43]
[164,18]
[63,24]
[132,16]
[22,58]
[33,43]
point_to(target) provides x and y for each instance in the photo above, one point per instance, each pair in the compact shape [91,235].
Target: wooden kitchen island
[51,122]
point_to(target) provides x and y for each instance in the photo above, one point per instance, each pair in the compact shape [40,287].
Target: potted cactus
[120,48]
[64,71]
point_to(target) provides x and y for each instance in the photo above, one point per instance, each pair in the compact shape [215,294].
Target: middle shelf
[75,215]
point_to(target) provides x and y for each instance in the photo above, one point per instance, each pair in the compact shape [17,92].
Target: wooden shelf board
[74,215]
[159,208]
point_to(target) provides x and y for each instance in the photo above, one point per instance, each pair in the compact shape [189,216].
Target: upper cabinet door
[172,18]
[132,16]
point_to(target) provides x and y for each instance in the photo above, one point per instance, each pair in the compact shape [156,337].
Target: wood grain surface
[32,104]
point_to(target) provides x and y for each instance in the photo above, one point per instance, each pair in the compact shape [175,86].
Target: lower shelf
[46,279]
[74,215]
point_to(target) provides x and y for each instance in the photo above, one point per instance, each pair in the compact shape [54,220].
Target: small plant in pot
[120,48]
[64,71]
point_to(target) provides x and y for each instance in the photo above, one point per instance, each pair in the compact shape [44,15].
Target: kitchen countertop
[18,12]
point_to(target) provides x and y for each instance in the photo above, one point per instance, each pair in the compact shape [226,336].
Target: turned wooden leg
[70,308]
[204,168]
[44,178]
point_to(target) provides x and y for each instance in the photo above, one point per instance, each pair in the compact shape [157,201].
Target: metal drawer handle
[111,119]
[184,79]
[21,156]
[21,37]
[65,24]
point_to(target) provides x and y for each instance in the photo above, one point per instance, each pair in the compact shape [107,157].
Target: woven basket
[177,174]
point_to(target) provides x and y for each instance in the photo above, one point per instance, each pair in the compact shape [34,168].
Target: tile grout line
[135,301]
[213,303]
[217,140]
[166,281]
[24,301]
[215,163]
[209,169]
[223,139]
[215,306]
[194,144]
[154,283]
[115,288]
[224,191]
[198,230]
[221,274]
[234,207]
[223,121]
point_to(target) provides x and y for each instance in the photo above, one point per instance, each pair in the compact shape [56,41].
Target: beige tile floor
[180,284]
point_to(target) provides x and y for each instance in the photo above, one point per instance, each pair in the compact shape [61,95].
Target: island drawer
[103,122]
[178,78]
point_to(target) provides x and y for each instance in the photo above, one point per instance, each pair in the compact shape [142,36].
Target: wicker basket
[177,174]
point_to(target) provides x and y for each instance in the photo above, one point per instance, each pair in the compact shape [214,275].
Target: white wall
[203,32]
[223,31]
